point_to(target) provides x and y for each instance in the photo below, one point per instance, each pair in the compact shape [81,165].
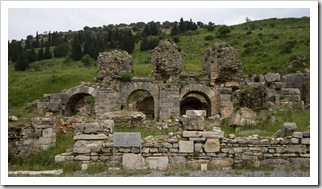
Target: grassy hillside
[265,45]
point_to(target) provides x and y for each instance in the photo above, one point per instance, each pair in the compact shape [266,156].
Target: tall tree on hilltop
[128,41]
[48,54]
[49,38]
[36,42]
[175,29]
[40,54]
[76,53]
[22,64]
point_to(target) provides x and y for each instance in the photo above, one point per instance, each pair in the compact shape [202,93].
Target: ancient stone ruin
[171,95]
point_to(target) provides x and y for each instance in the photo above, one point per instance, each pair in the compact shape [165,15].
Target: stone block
[294,140]
[203,167]
[199,113]
[300,163]
[158,163]
[275,162]
[212,134]
[47,132]
[296,149]
[186,146]
[290,91]
[220,163]
[90,137]
[297,135]
[305,141]
[192,134]
[272,77]
[92,128]
[198,147]
[78,127]
[196,164]
[212,145]
[196,123]
[178,162]
[132,161]
[45,140]
[95,147]
[82,158]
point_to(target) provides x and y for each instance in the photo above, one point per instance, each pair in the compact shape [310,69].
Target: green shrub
[209,38]
[127,77]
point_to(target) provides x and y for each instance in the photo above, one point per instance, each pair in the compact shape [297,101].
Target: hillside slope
[271,45]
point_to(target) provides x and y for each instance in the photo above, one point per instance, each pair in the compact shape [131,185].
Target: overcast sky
[27,21]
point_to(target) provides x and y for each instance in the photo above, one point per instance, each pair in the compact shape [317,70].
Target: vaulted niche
[80,103]
[141,100]
[194,101]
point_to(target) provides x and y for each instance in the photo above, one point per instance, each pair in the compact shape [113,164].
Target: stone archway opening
[80,103]
[195,100]
[143,101]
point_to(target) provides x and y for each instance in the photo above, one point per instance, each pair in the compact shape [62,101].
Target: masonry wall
[25,139]
[191,150]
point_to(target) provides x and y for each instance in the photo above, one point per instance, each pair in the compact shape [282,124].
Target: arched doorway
[141,100]
[80,103]
[195,100]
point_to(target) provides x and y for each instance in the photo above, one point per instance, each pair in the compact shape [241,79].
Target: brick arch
[129,88]
[73,95]
[208,93]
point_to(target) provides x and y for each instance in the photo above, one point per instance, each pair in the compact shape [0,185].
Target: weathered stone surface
[198,113]
[82,158]
[114,63]
[212,145]
[78,127]
[296,149]
[300,163]
[167,60]
[159,163]
[186,146]
[196,164]
[295,80]
[275,162]
[297,135]
[92,128]
[222,63]
[290,91]
[90,137]
[196,123]
[289,127]
[305,141]
[272,77]
[243,116]
[220,163]
[198,147]
[13,118]
[132,161]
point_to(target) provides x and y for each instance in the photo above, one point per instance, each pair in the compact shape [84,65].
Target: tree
[40,54]
[61,50]
[128,42]
[223,30]
[48,54]
[15,50]
[211,26]
[87,60]
[36,42]
[247,19]
[175,29]
[76,52]
[22,63]
[31,55]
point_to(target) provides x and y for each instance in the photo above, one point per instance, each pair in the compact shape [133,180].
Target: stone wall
[25,139]
[187,150]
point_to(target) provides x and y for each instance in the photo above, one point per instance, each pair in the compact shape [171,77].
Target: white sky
[27,21]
